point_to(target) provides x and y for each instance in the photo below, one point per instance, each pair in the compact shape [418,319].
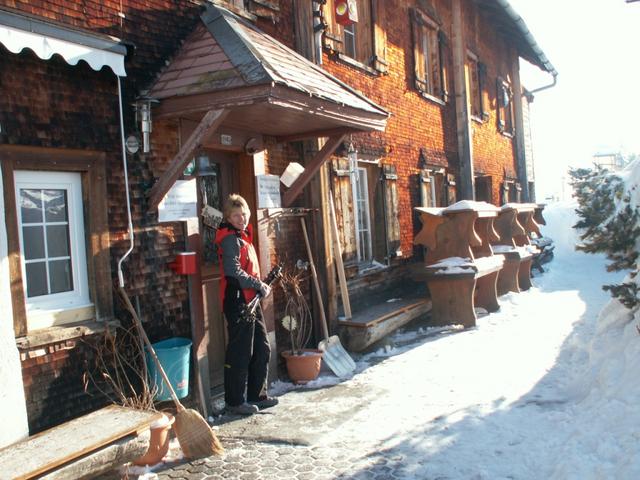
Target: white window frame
[361,212]
[64,307]
[350,44]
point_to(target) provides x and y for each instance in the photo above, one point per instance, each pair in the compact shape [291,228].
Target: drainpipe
[463,118]
[126,187]
[318,29]
[544,87]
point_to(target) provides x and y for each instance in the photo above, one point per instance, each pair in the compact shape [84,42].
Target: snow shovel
[334,354]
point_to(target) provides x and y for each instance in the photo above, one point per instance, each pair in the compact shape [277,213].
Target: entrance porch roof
[227,63]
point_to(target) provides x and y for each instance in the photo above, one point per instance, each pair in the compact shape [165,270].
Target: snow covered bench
[544,244]
[461,270]
[513,225]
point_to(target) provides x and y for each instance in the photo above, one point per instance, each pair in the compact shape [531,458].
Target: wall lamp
[142,108]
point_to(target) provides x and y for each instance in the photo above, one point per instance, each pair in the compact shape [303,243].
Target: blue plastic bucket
[173,354]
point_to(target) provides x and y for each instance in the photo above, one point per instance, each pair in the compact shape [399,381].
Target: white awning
[18,32]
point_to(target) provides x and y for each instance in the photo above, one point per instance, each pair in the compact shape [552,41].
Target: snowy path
[546,388]
[511,398]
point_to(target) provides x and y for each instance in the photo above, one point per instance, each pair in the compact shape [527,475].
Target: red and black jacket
[238,260]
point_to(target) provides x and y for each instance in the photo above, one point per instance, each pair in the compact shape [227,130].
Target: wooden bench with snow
[81,448]
[514,222]
[544,244]
[461,270]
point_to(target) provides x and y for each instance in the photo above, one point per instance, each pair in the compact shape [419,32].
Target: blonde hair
[235,201]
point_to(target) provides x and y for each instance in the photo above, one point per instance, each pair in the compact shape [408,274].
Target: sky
[545,388]
[594,46]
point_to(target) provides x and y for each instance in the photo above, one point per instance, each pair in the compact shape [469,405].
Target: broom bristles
[195,436]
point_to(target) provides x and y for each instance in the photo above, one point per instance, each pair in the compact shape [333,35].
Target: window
[428,43]
[361,213]
[475,75]
[362,44]
[505,107]
[511,192]
[251,9]
[366,199]
[51,230]
[432,187]
[483,189]
[57,235]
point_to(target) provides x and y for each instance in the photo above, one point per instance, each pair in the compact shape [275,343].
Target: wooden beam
[315,134]
[311,169]
[209,124]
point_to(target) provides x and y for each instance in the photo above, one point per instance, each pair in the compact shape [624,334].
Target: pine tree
[610,224]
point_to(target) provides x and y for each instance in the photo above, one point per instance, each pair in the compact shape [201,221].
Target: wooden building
[416,104]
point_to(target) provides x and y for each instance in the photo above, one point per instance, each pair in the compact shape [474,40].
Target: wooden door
[216,179]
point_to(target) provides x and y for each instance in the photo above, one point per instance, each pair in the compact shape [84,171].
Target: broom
[195,436]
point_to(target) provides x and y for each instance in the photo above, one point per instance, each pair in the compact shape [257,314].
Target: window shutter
[390,177]
[364,34]
[504,193]
[418,57]
[379,36]
[482,77]
[343,199]
[333,35]
[426,187]
[434,62]
[451,189]
[442,49]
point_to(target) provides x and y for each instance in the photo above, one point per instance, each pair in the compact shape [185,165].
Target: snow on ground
[545,388]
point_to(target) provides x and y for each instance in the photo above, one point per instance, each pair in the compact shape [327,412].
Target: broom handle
[314,275]
[143,334]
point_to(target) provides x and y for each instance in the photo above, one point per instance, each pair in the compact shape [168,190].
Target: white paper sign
[268,191]
[179,204]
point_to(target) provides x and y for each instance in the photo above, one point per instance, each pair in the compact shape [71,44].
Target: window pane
[36,279]
[31,205]
[33,242]
[60,276]
[57,241]
[55,204]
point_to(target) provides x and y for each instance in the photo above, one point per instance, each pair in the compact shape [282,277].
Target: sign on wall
[268,187]
[180,202]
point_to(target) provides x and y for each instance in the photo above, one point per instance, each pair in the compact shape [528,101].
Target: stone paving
[253,460]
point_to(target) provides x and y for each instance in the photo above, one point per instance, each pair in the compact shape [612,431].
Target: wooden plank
[209,124]
[103,460]
[311,169]
[13,244]
[344,291]
[59,445]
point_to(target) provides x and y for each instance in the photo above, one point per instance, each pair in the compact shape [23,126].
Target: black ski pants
[247,355]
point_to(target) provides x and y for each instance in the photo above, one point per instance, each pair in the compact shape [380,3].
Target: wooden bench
[512,225]
[81,448]
[461,271]
[544,244]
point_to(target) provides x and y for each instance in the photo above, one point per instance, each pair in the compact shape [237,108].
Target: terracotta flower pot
[159,441]
[304,367]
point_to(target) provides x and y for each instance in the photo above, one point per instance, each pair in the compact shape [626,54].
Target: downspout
[318,29]
[544,87]
[126,187]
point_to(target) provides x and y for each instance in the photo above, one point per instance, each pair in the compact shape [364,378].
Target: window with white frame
[52,242]
[360,191]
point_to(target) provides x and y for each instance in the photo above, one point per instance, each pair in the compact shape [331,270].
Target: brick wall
[494,153]
[415,123]
[56,105]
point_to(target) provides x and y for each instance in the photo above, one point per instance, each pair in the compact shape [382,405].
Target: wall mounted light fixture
[142,107]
